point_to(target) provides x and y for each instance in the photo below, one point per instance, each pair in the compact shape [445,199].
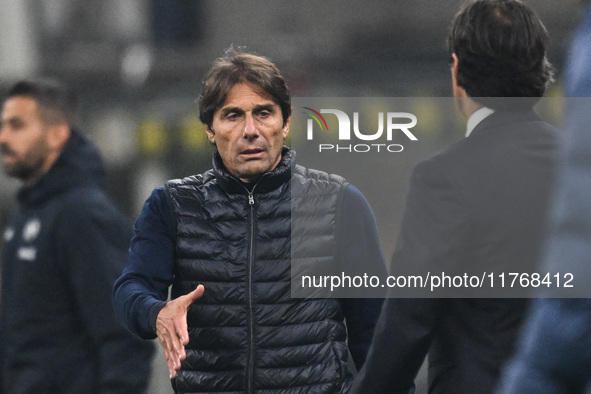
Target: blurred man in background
[478,206]
[62,252]
[554,354]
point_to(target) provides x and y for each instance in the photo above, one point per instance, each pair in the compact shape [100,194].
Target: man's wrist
[153,312]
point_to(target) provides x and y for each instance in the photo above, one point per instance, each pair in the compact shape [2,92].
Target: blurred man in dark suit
[478,205]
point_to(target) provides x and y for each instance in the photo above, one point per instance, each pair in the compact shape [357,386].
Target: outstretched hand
[171,327]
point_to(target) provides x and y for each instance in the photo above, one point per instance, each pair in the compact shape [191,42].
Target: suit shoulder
[450,154]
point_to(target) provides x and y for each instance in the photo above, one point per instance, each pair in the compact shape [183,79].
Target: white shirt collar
[476,118]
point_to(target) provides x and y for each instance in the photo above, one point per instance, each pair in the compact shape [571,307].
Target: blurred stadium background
[138,65]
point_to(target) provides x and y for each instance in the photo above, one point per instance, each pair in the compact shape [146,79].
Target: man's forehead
[20,103]
[247,94]
[19,106]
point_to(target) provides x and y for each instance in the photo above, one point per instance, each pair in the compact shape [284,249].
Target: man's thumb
[195,294]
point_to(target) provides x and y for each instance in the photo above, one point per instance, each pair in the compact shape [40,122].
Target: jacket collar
[269,181]
[500,118]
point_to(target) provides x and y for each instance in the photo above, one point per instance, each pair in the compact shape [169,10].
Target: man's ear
[455,66]
[58,135]
[210,134]
[286,127]
[458,91]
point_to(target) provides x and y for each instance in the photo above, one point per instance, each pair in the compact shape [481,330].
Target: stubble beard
[30,166]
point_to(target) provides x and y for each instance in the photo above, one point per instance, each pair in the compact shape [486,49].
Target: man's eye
[232,116]
[16,124]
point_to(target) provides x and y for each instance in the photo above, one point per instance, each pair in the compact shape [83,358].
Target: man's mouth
[6,153]
[253,153]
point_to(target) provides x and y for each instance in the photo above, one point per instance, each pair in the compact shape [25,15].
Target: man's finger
[173,359]
[171,365]
[181,329]
[194,295]
[172,328]
[172,345]
[177,343]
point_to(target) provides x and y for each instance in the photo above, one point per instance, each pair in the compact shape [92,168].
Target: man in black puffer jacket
[62,252]
[229,241]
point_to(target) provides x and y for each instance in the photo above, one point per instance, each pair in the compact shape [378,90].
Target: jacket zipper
[250,295]
[249,377]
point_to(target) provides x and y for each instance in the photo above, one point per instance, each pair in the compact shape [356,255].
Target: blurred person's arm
[554,351]
[92,240]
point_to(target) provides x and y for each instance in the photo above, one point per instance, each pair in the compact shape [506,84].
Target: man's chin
[17,172]
[252,174]
[9,170]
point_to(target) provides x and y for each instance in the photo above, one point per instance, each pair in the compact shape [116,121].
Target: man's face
[23,139]
[248,132]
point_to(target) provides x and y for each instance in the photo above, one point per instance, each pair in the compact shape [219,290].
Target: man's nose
[250,127]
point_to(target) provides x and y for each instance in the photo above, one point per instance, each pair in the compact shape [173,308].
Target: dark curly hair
[501,47]
[235,67]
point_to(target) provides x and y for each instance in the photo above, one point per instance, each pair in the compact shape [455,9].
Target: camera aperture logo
[396,122]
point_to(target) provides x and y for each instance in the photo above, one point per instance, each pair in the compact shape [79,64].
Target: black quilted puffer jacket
[247,334]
